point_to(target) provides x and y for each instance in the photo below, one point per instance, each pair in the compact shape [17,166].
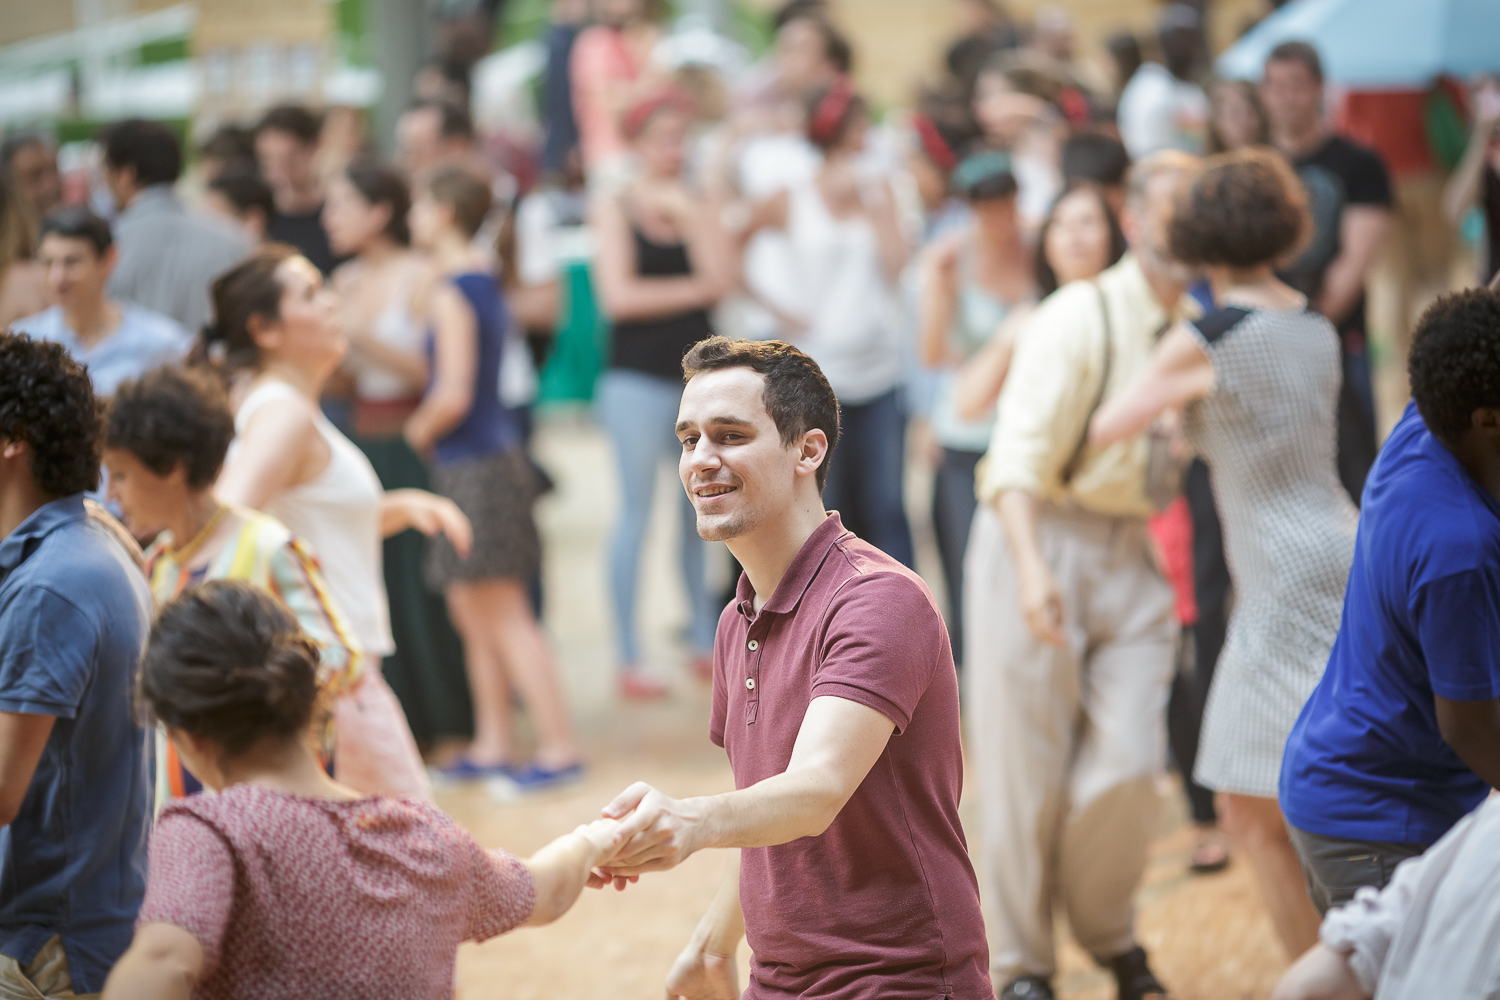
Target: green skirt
[427,670]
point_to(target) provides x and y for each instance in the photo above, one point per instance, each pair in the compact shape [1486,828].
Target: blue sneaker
[464,769]
[534,777]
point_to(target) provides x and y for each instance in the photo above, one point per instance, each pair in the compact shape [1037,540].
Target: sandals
[1210,851]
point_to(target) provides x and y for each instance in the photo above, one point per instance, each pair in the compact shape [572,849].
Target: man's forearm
[1018,517]
[776,810]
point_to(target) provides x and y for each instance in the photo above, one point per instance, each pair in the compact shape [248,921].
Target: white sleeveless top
[338,514]
[850,307]
[395,327]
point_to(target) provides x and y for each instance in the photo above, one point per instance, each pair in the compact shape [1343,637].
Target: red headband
[933,143]
[642,111]
[829,113]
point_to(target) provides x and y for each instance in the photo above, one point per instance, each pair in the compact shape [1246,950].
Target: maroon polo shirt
[884,904]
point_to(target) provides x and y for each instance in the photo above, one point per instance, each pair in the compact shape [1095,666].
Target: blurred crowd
[311,348]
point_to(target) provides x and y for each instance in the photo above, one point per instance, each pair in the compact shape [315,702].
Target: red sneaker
[639,687]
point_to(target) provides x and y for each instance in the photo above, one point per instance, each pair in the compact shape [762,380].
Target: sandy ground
[1208,936]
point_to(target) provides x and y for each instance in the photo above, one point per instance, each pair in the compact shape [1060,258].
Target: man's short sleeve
[47,654]
[1366,181]
[191,881]
[883,642]
[1458,625]
[502,895]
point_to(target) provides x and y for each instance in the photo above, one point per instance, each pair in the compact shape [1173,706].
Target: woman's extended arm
[279,448]
[163,963]
[1178,373]
[1463,187]
[981,378]
[625,294]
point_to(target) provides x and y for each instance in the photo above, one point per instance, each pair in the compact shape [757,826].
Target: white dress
[338,514]
[1267,432]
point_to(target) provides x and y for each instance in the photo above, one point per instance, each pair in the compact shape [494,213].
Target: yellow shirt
[1052,384]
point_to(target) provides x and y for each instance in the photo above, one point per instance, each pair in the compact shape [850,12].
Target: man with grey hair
[1068,623]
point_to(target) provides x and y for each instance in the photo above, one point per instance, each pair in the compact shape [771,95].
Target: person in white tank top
[275,319]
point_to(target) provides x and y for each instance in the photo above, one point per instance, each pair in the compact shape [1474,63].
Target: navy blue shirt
[1366,760]
[488,428]
[74,614]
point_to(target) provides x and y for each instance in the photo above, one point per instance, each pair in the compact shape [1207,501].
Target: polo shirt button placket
[752,698]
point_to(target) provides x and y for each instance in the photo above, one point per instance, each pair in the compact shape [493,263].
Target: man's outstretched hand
[657,833]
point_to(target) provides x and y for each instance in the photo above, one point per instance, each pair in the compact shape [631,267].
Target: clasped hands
[655,834]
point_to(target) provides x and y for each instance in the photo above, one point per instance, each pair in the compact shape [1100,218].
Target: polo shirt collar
[798,576]
[43,521]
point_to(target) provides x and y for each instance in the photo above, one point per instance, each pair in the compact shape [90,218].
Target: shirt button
[750,683]
[752,645]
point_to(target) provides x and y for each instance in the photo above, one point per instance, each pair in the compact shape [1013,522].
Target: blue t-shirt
[488,428]
[74,613]
[1366,760]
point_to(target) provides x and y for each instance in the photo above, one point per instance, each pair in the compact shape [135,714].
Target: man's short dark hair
[293,119]
[46,400]
[173,415]
[1095,157]
[798,396]
[243,187]
[454,122]
[150,148]
[1454,364]
[227,144]
[1299,52]
[78,223]
[1245,209]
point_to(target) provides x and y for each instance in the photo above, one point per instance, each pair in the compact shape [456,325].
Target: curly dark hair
[227,661]
[798,396]
[173,415]
[1454,364]
[47,401]
[1245,209]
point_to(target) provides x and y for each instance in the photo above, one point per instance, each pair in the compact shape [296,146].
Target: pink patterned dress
[294,897]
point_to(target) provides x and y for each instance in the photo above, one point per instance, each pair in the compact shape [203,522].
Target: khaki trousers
[46,978]
[1065,743]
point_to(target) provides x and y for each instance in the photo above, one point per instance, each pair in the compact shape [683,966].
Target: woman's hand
[428,513]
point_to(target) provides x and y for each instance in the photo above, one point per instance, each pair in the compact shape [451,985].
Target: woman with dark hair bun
[1258,380]
[285,883]
[972,281]
[279,326]
[390,296]
[849,253]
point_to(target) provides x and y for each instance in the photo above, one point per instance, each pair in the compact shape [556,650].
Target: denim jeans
[639,412]
[953,506]
[865,474]
[1336,868]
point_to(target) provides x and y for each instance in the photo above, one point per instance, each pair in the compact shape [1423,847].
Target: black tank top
[656,346]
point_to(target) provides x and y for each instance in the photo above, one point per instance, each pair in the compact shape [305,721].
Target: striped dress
[262,552]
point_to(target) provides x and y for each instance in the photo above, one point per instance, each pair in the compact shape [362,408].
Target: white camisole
[338,515]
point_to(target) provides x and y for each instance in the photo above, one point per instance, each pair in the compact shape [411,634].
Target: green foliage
[163,50]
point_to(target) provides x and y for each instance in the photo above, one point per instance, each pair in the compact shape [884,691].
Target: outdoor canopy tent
[1378,44]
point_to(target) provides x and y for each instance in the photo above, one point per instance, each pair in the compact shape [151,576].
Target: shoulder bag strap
[1076,460]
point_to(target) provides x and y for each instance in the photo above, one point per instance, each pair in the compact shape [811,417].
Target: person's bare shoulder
[22,291]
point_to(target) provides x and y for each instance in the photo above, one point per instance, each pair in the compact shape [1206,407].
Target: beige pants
[1065,743]
[46,978]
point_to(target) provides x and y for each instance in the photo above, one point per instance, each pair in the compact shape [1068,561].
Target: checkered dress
[1268,435]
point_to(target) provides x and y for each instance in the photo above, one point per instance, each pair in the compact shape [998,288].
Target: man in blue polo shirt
[75,768]
[1401,737]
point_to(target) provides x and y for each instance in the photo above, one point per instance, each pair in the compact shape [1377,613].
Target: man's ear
[1486,420]
[812,452]
[12,449]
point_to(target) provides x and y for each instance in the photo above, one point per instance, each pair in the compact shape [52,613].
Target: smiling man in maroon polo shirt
[836,700]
